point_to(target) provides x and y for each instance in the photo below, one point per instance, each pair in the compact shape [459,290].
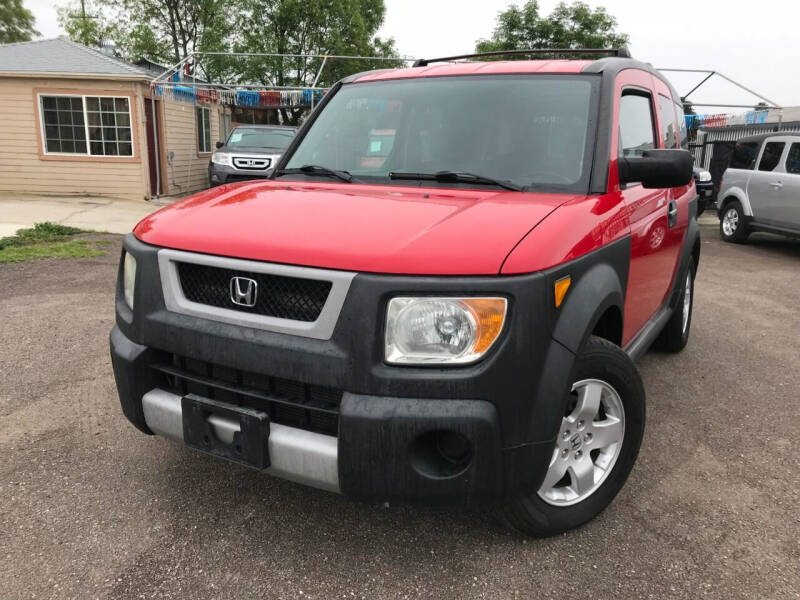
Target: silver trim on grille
[252,163]
[295,454]
[321,329]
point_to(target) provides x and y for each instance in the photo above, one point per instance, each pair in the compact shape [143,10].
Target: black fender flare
[599,281]
[597,290]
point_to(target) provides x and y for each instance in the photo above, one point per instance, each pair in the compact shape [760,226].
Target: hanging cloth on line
[227,96]
[184,94]
[207,95]
[246,98]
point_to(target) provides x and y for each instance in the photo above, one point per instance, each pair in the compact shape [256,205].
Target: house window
[88,125]
[203,130]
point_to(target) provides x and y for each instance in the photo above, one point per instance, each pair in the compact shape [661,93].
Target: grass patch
[45,240]
[39,233]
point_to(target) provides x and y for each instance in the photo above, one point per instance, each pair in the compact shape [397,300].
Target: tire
[557,507]
[675,335]
[732,227]
[701,206]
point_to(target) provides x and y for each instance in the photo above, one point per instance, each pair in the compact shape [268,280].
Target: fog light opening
[440,454]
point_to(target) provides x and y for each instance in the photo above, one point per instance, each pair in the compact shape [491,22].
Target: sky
[757,45]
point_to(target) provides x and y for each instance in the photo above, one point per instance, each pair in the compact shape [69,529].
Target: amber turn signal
[489,314]
[560,287]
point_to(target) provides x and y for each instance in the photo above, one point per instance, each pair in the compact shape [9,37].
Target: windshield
[258,137]
[532,131]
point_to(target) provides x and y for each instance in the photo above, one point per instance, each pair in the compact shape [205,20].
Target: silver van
[760,190]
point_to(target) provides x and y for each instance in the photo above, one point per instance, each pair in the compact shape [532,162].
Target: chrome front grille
[251,163]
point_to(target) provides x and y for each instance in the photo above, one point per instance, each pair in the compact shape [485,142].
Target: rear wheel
[675,335]
[597,444]
[731,223]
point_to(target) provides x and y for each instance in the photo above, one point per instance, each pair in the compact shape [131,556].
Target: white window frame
[206,112]
[83,98]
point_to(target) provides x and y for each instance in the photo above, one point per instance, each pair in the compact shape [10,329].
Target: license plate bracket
[207,422]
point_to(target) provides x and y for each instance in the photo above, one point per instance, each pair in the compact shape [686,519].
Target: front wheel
[597,444]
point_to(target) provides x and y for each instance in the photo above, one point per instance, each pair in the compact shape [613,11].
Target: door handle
[672,213]
[776,185]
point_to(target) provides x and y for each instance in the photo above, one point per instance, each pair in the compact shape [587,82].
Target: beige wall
[24,169]
[187,169]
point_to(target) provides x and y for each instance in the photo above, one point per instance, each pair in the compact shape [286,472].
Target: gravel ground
[92,508]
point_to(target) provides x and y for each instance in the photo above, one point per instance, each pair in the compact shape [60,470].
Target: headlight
[221,158]
[703,175]
[129,278]
[442,330]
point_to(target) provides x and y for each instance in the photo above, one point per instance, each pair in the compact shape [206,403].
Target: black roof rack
[620,52]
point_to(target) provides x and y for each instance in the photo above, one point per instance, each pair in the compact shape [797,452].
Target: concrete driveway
[92,508]
[112,215]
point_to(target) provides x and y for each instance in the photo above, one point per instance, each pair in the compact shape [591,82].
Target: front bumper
[387,443]
[220,174]
[705,192]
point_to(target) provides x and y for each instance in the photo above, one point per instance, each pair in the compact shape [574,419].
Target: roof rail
[622,52]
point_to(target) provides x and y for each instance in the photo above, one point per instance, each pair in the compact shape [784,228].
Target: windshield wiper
[318,170]
[458,177]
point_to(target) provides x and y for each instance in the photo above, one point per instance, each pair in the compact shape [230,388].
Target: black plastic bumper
[432,451]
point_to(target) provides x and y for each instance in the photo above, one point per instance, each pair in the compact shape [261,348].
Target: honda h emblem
[244,291]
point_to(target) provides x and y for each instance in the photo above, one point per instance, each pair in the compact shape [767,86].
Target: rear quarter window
[744,155]
[683,132]
[793,160]
[772,156]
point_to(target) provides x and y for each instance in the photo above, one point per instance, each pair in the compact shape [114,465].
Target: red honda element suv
[437,297]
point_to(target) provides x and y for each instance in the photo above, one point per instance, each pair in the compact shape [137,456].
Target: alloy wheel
[588,445]
[730,221]
[687,301]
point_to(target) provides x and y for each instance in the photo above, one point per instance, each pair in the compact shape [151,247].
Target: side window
[744,155]
[635,125]
[666,114]
[793,160]
[683,132]
[771,156]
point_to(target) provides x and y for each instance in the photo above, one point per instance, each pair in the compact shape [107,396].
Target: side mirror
[657,168]
[220,144]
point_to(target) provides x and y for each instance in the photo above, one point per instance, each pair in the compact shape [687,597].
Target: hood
[353,227]
[250,150]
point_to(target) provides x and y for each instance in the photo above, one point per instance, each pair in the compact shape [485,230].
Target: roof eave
[58,75]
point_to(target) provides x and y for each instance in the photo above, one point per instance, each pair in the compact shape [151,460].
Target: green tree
[16,22]
[574,25]
[85,23]
[318,27]
[162,30]
[688,107]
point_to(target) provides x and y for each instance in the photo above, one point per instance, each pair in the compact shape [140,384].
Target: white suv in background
[760,190]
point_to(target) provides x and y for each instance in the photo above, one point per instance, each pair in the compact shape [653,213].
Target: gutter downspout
[155,143]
